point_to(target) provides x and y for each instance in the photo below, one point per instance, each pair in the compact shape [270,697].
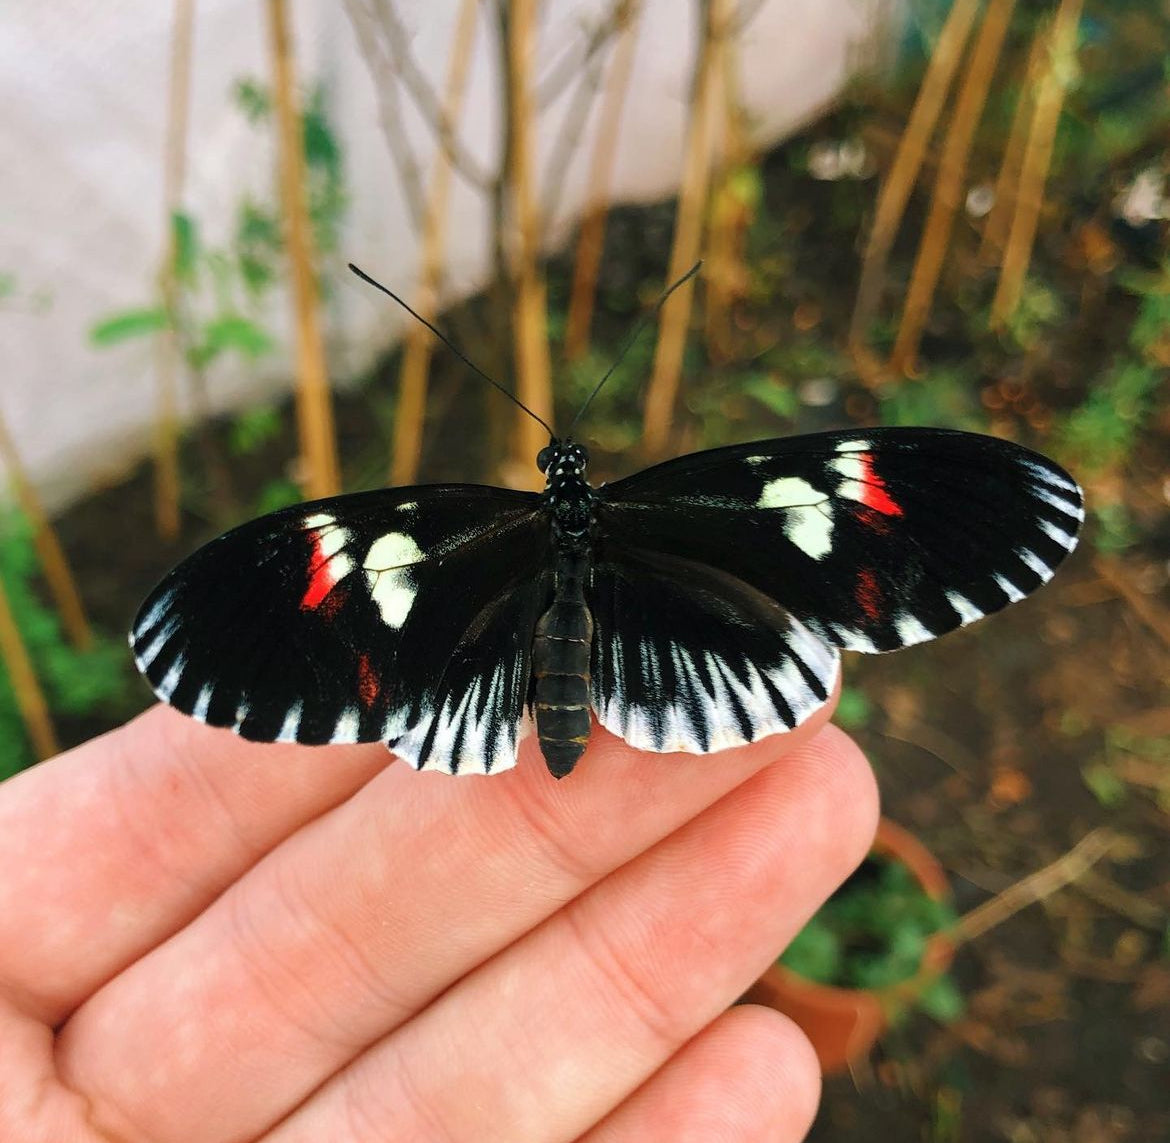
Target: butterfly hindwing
[688,658]
[337,621]
[873,539]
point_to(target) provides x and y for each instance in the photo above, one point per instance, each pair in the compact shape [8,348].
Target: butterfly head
[562,459]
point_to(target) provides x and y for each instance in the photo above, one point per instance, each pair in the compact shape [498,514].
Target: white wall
[83,86]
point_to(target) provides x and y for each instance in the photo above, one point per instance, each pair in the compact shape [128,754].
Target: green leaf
[235,332]
[853,709]
[941,1000]
[1104,785]
[253,100]
[185,243]
[129,324]
[772,393]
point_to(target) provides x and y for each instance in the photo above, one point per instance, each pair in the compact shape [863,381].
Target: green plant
[872,934]
[75,682]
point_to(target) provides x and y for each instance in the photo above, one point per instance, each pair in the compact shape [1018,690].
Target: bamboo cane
[416,357]
[591,241]
[30,699]
[58,575]
[313,400]
[668,356]
[167,353]
[729,215]
[530,313]
[895,192]
[948,187]
[999,218]
[1037,160]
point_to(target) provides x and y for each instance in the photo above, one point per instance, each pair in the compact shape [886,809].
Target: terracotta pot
[844,1023]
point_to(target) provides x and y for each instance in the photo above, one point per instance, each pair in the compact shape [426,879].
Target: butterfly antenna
[452,346]
[634,335]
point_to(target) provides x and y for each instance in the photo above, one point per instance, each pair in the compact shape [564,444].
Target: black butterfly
[693,606]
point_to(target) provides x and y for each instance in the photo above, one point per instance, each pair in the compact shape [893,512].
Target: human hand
[203,940]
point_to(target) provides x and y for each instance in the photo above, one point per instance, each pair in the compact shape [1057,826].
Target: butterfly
[696,605]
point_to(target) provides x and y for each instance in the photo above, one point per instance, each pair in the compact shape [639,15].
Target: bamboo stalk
[999,218]
[895,191]
[313,400]
[948,187]
[591,241]
[533,368]
[30,699]
[58,575]
[729,216]
[167,353]
[668,355]
[416,357]
[1037,160]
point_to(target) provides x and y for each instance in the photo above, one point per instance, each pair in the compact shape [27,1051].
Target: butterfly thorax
[567,493]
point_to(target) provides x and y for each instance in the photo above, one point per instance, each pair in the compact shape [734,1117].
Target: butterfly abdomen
[560,670]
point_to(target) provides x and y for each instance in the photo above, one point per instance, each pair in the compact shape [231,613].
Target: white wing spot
[1061,537]
[910,630]
[964,608]
[789,492]
[1035,563]
[390,583]
[320,520]
[347,726]
[292,723]
[854,446]
[170,680]
[202,702]
[1009,589]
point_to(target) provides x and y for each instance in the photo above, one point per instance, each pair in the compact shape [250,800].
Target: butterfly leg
[560,668]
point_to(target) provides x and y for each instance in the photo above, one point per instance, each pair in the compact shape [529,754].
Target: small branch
[389,108]
[1145,608]
[948,187]
[403,67]
[573,63]
[1037,159]
[314,400]
[1037,886]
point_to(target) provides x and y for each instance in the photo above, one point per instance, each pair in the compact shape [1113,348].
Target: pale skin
[204,940]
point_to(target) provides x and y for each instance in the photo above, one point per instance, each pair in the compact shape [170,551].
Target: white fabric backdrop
[83,87]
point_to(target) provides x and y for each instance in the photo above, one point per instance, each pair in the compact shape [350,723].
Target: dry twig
[1035,887]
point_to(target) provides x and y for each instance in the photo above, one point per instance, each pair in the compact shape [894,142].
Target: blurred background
[938,212]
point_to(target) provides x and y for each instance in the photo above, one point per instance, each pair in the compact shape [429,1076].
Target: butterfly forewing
[340,621]
[872,539]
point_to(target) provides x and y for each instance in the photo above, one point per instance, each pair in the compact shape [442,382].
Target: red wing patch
[369,684]
[868,593]
[874,494]
[328,563]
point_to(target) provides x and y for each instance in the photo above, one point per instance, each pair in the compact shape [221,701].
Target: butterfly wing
[686,657]
[352,620]
[872,539]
